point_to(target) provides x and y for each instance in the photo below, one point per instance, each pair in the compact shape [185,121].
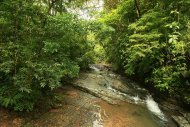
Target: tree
[149,40]
[38,50]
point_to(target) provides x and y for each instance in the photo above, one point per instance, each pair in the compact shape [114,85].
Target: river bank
[169,105]
[99,98]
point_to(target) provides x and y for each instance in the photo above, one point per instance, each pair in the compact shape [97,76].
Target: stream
[123,102]
[97,98]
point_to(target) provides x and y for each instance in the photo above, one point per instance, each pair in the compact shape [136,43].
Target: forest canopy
[150,40]
[42,42]
[40,45]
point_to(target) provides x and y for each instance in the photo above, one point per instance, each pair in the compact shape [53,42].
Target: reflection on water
[98,118]
[136,110]
[121,102]
[123,115]
[97,123]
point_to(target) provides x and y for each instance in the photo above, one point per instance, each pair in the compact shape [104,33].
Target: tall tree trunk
[137,8]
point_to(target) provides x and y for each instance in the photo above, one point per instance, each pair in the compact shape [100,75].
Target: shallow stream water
[98,98]
[124,103]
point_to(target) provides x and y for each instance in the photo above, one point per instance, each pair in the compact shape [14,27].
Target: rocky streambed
[119,92]
[100,98]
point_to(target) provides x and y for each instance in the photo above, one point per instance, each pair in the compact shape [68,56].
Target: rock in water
[181,121]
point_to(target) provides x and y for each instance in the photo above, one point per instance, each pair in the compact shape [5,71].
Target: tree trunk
[137,8]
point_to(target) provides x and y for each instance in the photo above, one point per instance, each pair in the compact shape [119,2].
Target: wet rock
[95,93]
[113,89]
[187,116]
[4,124]
[112,75]
[123,89]
[99,76]
[169,106]
[96,67]
[103,83]
[181,121]
[17,122]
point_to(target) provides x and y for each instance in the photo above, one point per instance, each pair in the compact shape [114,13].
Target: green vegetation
[150,40]
[40,45]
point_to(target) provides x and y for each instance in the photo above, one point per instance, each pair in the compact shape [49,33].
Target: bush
[37,51]
[150,40]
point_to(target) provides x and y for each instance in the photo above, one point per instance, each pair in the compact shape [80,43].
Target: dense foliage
[150,40]
[40,45]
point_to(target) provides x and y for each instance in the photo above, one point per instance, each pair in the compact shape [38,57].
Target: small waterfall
[154,108]
[136,99]
[110,88]
[98,120]
[97,123]
[94,68]
[132,99]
